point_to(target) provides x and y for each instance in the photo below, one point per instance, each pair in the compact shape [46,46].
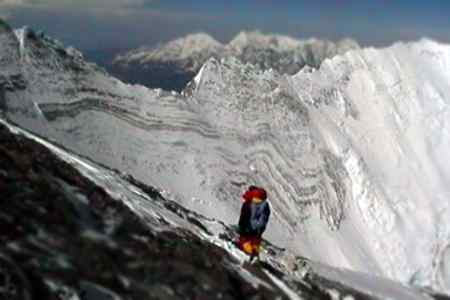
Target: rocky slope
[173,65]
[340,149]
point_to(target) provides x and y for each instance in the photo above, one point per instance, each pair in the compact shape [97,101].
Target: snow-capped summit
[188,52]
[257,39]
[346,44]
[185,56]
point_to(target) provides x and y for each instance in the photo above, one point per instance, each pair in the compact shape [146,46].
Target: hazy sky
[100,24]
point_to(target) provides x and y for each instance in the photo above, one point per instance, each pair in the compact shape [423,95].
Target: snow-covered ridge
[201,46]
[268,51]
[257,39]
[353,154]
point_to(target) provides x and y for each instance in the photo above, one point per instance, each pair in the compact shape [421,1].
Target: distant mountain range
[172,65]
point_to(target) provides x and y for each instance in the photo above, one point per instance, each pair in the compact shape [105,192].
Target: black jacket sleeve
[244,219]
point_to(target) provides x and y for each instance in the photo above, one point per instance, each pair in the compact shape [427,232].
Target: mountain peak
[202,37]
[195,42]
[185,56]
[189,52]
[258,39]
[244,37]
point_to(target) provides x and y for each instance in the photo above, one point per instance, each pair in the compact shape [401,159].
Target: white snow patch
[20,34]
[375,286]
[198,77]
[282,286]
[250,278]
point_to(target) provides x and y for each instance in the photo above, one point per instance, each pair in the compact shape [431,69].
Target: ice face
[384,114]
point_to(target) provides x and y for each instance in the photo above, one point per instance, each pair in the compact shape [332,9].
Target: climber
[253,220]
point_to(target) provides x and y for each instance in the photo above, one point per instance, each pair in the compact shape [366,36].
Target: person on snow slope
[255,213]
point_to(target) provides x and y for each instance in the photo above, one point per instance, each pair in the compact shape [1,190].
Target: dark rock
[53,231]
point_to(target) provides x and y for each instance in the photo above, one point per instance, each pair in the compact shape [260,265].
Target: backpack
[259,217]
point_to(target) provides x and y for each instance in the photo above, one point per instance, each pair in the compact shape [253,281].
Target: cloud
[106,8]
[12,3]
[117,8]
[79,4]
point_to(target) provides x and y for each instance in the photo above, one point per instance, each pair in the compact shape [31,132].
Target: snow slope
[353,154]
[91,197]
[385,115]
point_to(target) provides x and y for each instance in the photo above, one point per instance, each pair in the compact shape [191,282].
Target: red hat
[255,192]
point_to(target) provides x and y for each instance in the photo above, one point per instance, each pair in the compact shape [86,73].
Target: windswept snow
[385,113]
[374,286]
[283,287]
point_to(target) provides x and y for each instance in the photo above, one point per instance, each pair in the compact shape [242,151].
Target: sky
[126,24]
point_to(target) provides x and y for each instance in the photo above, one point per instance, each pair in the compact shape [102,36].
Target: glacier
[353,153]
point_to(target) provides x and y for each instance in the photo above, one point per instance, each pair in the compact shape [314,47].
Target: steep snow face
[385,115]
[352,154]
[309,185]
[265,130]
